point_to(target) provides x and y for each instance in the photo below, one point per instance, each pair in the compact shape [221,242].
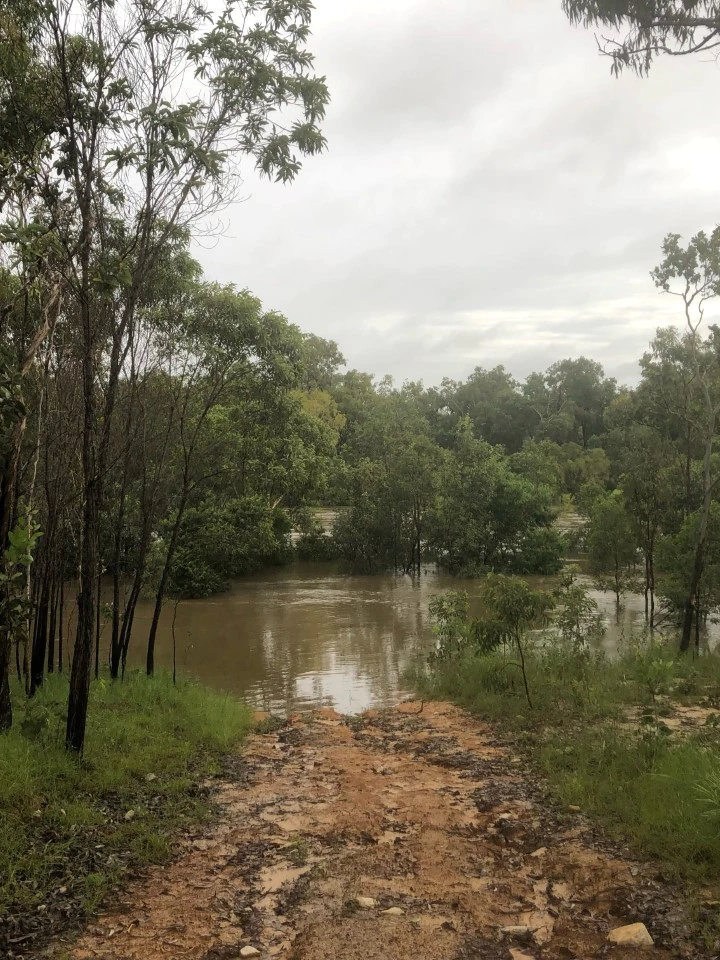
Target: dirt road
[399,835]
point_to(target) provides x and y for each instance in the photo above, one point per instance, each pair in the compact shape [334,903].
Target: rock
[540,852]
[633,935]
[520,955]
[62,890]
[575,808]
[149,777]
[515,931]
[394,912]
[130,815]
[366,903]
[249,952]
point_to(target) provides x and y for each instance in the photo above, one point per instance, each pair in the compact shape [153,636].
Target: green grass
[70,828]
[656,788]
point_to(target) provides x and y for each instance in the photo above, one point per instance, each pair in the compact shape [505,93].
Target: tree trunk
[7,511]
[691,603]
[82,655]
[39,644]
[53,627]
[87,599]
[162,587]
[61,625]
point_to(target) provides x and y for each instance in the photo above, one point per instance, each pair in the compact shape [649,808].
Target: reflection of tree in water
[305,634]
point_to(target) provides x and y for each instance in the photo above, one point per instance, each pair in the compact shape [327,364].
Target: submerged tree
[611,544]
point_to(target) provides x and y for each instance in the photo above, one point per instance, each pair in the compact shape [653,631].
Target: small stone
[149,777]
[633,935]
[62,890]
[366,903]
[249,952]
[575,808]
[520,955]
[540,852]
[515,931]
[394,912]
[130,815]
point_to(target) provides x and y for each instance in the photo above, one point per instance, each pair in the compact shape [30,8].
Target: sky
[490,193]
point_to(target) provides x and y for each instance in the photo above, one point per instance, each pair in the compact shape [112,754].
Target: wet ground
[406,833]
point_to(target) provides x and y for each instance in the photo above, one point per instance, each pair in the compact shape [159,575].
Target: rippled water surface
[310,634]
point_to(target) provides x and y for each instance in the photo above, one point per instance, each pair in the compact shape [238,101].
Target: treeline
[472,475]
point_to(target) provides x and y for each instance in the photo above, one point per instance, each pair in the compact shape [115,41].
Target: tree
[156,106]
[692,273]
[669,399]
[647,489]
[513,609]
[611,545]
[498,411]
[676,557]
[652,28]
[486,513]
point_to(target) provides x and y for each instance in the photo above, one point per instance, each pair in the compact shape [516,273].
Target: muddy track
[425,815]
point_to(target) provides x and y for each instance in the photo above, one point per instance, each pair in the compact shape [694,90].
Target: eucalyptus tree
[649,28]
[157,105]
[692,274]
[647,485]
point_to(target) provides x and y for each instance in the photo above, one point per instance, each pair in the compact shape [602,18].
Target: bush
[315,544]
[219,542]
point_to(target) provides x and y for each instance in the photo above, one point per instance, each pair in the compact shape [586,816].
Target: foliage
[220,542]
[451,625]
[652,28]
[577,618]
[15,605]
[611,544]
[675,557]
[314,543]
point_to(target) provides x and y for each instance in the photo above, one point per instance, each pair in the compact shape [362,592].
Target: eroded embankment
[424,815]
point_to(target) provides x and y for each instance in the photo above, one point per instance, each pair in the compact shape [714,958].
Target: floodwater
[310,634]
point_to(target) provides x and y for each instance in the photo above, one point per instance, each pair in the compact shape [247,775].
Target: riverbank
[409,832]
[71,830]
[635,742]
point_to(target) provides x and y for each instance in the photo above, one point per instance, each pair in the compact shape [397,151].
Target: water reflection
[308,634]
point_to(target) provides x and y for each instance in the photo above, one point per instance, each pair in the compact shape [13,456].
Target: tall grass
[76,825]
[656,787]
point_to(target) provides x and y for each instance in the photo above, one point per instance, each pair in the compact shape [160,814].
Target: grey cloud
[490,193]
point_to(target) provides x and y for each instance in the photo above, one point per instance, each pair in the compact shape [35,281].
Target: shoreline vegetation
[632,740]
[73,829]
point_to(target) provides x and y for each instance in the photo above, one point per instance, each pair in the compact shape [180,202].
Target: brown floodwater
[310,634]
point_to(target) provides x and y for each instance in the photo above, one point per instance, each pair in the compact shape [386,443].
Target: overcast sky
[490,194]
